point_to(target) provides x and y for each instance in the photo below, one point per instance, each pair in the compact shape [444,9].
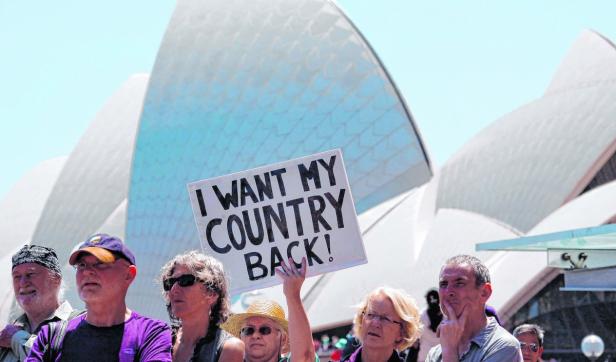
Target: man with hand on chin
[466,334]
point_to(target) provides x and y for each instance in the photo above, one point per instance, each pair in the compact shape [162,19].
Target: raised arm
[300,336]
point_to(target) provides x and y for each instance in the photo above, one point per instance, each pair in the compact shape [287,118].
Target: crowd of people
[387,325]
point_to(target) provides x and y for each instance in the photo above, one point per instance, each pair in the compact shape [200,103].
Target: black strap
[4,352]
[56,336]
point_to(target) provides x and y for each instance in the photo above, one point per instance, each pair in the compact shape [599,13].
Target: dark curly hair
[209,270]
[434,310]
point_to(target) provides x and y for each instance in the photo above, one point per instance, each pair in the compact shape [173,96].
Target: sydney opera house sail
[94,180]
[240,84]
[539,143]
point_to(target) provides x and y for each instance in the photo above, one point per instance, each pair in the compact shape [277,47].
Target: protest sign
[254,219]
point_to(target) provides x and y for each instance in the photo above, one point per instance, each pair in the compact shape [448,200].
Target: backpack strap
[57,331]
[3,352]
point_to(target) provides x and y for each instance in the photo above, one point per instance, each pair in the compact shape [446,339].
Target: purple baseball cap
[105,248]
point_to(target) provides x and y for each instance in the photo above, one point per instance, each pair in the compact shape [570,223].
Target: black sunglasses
[185,280]
[249,331]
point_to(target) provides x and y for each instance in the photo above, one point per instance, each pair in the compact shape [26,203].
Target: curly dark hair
[209,270]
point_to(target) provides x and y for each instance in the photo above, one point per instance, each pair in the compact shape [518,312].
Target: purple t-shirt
[138,339]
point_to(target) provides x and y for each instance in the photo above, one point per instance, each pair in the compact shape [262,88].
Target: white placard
[251,220]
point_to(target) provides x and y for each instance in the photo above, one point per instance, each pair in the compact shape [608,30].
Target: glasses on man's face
[98,266]
[249,331]
[372,317]
[185,280]
[532,346]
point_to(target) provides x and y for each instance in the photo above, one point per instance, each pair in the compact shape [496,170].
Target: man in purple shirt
[108,330]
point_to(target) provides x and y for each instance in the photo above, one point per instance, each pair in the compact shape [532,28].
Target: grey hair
[532,329]
[54,275]
[61,290]
[482,274]
[211,272]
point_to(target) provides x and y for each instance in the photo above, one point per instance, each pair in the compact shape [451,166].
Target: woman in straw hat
[195,289]
[264,329]
[386,321]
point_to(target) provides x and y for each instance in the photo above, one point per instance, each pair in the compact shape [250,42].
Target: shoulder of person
[503,337]
[503,347]
[232,350]
[234,343]
[434,354]
[147,322]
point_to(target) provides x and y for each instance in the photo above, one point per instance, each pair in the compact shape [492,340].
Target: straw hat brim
[234,323]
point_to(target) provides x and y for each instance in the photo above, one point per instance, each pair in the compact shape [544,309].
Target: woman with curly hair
[195,290]
[387,321]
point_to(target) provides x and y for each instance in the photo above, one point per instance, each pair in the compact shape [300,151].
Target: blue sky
[459,64]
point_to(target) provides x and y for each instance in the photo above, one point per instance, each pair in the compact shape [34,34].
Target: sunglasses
[249,331]
[185,280]
[533,347]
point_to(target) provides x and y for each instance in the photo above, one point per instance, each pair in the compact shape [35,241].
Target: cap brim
[101,254]
[234,323]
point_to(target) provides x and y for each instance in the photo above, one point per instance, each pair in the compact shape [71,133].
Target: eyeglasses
[98,266]
[249,331]
[185,280]
[381,318]
[532,346]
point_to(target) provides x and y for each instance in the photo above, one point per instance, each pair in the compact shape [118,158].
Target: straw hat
[259,308]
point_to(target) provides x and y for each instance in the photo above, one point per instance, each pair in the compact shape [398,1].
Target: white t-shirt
[428,339]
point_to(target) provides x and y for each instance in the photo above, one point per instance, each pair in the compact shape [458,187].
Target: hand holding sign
[255,219]
[292,277]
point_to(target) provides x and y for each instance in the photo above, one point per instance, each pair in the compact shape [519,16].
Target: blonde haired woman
[387,321]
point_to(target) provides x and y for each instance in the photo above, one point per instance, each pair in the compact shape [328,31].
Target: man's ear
[132,272]
[56,280]
[211,296]
[284,343]
[486,291]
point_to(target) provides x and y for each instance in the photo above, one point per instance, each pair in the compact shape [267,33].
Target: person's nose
[377,322]
[24,281]
[446,291]
[175,288]
[88,269]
